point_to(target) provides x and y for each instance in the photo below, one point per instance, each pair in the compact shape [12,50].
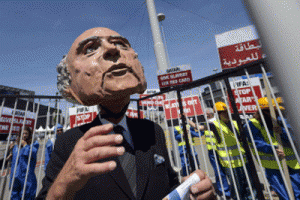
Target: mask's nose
[112,53]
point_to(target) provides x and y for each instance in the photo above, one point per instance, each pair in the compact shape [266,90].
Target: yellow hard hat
[279,100]
[263,103]
[220,106]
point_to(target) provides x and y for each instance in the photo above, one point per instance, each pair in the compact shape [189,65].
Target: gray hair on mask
[64,80]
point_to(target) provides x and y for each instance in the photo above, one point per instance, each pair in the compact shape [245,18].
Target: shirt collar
[122,123]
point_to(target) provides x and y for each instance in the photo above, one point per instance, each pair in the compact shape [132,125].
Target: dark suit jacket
[154,181]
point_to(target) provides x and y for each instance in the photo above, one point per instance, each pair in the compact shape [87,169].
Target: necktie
[127,160]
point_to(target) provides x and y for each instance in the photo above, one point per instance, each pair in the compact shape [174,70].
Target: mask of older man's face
[103,66]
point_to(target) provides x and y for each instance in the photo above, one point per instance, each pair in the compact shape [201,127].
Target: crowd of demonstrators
[231,158]
[183,152]
[219,135]
[213,131]
[50,144]
[265,152]
[213,157]
[113,157]
[20,162]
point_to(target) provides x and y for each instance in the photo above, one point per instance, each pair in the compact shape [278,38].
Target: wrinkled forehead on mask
[88,34]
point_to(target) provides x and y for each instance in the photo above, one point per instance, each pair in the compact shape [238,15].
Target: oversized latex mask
[102,66]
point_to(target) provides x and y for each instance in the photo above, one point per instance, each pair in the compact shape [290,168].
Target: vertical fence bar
[6,149]
[2,105]
[192,147]
[175,147]
[278,137]
[138,108]
[66,120]
[43,149]
[188,146]
[184,150]
[199,133]
[30,154]
[214,152]
[223,139]
[19,148]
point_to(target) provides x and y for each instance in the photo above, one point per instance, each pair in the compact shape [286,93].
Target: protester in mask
[113,157]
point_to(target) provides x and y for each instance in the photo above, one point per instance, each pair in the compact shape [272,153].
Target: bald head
[103,67]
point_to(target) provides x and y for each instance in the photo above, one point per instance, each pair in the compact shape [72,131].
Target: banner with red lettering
[6,120]
[246,99]
[191,107]
[82,114]
[133,113]
[156,101]
[177,78]
[239,47]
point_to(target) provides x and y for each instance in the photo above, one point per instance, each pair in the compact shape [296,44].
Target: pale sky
[35,35]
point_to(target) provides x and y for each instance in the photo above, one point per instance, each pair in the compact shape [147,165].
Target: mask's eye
[121,44]
[90,47]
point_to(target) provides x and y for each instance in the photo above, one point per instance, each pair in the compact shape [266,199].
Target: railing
[48,111]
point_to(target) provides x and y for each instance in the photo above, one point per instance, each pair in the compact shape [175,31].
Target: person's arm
[194,126]
[48,151]
[177,135]
[82,163]
[195,133]
[9,154]
[35,147]
[284,137]
[261,145]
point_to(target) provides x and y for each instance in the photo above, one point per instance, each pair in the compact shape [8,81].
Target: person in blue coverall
[265,150]
[50,144]
[20,164]
[178,131]
[210,145]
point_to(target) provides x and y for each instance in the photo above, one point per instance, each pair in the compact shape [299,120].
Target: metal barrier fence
[193,104]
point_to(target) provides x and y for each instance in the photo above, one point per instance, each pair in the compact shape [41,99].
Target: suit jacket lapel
[144,156]
[118,174]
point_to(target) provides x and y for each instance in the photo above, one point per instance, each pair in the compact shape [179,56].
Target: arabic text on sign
[241,61]
[247,47]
